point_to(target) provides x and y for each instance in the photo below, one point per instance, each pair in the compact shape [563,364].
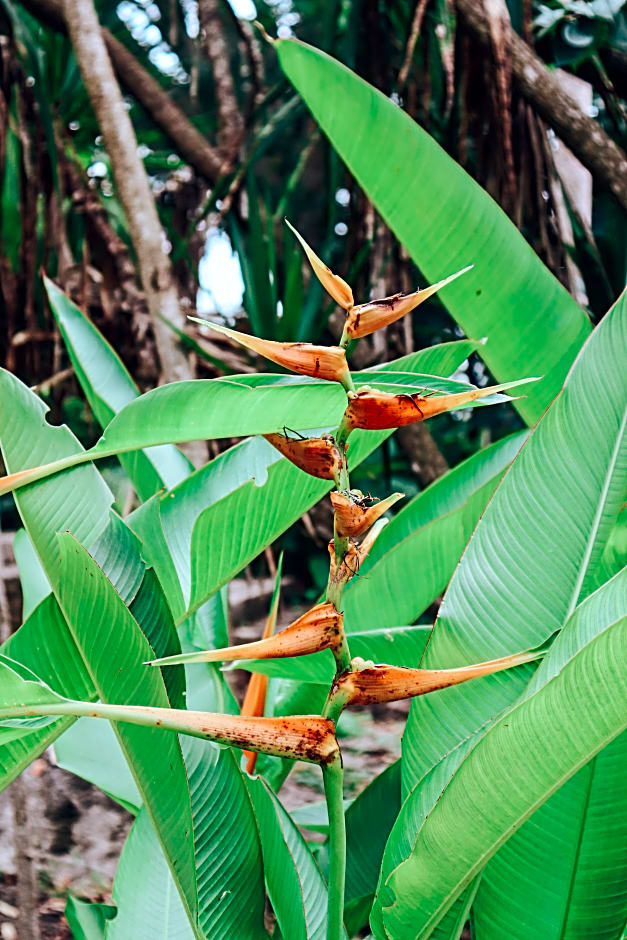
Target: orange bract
[375,410]
[383,683]
[352,518]
[319,362]
[369,317]
[318,456]
[318,629]
[338,289]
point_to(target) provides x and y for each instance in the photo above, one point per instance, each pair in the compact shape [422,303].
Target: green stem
[334,705]
[333,776]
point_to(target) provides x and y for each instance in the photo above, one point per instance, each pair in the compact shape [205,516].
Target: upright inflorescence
[358,519]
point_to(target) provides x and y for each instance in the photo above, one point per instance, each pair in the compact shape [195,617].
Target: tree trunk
[132,185]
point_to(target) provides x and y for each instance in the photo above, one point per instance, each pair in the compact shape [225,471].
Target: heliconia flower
[376,410]
[319,362]
[318,629]
[381,683]
[318,456]
[372,316]
[352,517]
[338,289]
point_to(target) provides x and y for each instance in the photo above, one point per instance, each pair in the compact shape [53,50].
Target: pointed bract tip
[334,285]
[367,318]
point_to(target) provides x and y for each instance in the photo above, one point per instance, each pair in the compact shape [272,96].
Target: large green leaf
[550,535]
[369,820]
[108,387]
[113,648]
[45,643]
[584,669]
[547,522]
[446,221]
[77,502]
[149,906]
[414,557]
[296,888]
[564,873]
[228,855]
[240,406]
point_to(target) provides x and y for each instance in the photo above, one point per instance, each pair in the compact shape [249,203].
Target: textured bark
[425,458]
[187,141]
[155,268]
[585,137]
[231,124]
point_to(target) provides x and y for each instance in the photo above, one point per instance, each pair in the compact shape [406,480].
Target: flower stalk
[333,777]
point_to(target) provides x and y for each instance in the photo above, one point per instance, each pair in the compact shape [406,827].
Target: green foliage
[438,212]
[508,805]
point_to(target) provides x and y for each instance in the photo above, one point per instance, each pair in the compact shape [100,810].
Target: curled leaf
[353,517]
[319,362]
[318,629]
[367,318]
[318,456]
[383,683]
[376,410]
[332,283]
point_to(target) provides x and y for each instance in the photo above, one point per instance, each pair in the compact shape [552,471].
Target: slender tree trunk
[155,268]
[542,89]
[186,139]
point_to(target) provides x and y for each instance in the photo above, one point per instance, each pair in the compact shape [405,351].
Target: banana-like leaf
[113,647]
[564,873]
[235,407]
[231,897]
[446,221]
[551,534]
[585,669]
[548,521]
[369,820]
[108,387]
[570,879]
[149,906]
[424,541]
[296,888]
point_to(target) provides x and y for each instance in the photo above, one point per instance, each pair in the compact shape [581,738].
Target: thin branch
[187,141]
[419,14]
[231,124]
